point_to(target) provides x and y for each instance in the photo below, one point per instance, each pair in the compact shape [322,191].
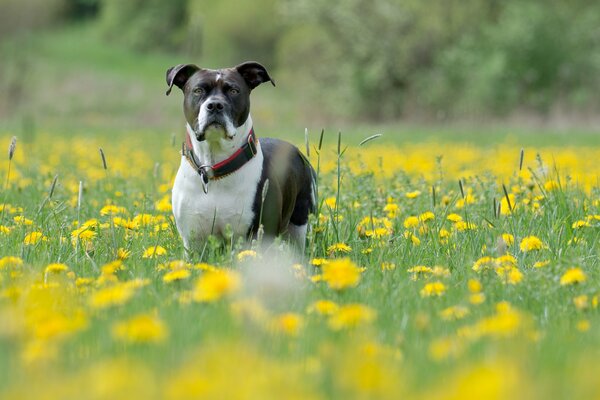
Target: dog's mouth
[213,130]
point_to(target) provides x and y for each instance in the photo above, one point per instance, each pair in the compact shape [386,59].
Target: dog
[229,181]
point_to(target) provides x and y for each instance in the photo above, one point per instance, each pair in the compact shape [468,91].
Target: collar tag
[204,179]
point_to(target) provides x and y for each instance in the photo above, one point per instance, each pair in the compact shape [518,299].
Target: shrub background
[368,59]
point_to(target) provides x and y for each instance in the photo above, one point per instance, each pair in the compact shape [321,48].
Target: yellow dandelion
[583,325]
[573,276]
[581,302]
[34,238]
[391,209]
[551,185]
[508,239]
[413,195]
[176,275]
[474,286]
[289,324]
[21,220]
[388,266]
[411,222]
[164,204]
[246,254]
[341,274]
[7,262]
[531,243]
[339,248]
[351,316]
[123,254]
[56,268]
[374,227]
[143,328]
[412,237]
[462,226]
[454,313]
[433,289]
[214,285]
[476,298]
[541,264]
[154,251]
[323,307]
[115,295]
[426,216]
[418,271]
[112,209]
[317,262]
[330,202]
[454,217]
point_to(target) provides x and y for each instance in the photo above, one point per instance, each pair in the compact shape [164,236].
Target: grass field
[444,261]
[432,271]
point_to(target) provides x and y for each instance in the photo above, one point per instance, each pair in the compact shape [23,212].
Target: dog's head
[217,102]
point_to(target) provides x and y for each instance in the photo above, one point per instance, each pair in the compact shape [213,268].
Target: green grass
[531,346]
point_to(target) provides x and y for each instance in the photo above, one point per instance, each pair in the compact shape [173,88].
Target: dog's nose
[215,106]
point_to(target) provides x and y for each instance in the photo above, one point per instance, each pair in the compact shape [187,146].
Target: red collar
[223,168]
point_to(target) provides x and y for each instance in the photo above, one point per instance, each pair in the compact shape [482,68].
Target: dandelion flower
[573,276]
[339,248]
[323,307]
[176,275]
[413,195]
[123,254]
[34,238]
[246,254]
[154,251]
[540,264]
[56,268]
[411,222]
[454,217]
[583,325]
[433,289]
[341,274]
[10,262]
[508,239]
[142,328]
[110,296]
[351,315]
[289,324]
[454,313]
[214,285]
[388,266]
[391,209]
[317,262]
[531,243]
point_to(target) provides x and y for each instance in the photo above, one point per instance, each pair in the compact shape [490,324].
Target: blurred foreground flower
[573,276]
[341,274]
[214,285]
[351,315]
[143,328]
[433,289]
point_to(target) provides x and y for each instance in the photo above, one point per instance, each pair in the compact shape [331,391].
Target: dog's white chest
[228,202]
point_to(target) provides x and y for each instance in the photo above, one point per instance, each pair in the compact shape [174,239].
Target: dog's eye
[198,91]
[234,91]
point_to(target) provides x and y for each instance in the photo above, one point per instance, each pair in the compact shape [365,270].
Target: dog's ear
[179,74]
[254,74]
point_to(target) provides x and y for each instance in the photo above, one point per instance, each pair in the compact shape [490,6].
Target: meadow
[434,269]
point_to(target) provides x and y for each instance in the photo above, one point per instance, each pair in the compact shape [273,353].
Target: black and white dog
[224,166]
